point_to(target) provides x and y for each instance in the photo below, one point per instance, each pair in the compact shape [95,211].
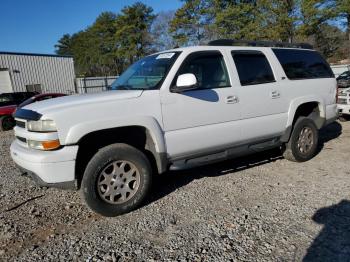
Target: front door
[203,120]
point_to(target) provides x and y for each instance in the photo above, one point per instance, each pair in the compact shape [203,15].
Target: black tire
[102,160]
[293,150]
[344,118]
[6,123]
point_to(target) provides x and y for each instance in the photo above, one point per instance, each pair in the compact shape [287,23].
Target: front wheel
[6,123]
[302,145]
[116,180]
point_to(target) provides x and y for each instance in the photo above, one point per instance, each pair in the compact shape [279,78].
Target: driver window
[209,69]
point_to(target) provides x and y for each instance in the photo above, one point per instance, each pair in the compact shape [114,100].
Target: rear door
[262,97]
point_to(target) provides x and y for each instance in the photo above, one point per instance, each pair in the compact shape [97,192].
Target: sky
[35,26]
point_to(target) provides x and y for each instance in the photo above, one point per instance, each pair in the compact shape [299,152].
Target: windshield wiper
[123,87]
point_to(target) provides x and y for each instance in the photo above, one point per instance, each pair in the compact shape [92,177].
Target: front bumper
[343,109]
[48,168]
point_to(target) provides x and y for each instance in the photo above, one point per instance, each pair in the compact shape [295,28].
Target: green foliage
[236,19]
[278,19]
[161,39]
[111,43]
[64,45]
[190,24]
[132,34]
[114,41]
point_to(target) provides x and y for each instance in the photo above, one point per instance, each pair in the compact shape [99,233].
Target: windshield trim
[159,84]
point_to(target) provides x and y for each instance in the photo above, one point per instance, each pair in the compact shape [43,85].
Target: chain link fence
[93,84]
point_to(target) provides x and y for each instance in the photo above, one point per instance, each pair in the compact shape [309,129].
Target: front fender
[78,131]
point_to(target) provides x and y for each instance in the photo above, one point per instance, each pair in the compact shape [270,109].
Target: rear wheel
[302,145]
[116,180]
[6,123]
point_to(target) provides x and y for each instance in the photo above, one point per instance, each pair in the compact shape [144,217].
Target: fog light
[44,145]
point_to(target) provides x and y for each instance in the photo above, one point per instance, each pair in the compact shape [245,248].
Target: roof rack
[231,42]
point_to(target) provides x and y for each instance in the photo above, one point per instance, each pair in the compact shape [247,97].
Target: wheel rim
[7,123]
[118,182]
[306,140]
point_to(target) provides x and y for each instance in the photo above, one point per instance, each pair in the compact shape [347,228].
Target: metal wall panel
[53,73]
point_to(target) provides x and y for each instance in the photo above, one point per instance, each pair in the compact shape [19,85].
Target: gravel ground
[258,208]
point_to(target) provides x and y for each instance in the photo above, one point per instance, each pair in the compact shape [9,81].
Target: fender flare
[76,132]
[153,130]
[295,104]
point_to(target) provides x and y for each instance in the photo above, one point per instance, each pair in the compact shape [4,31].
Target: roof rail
[231,42]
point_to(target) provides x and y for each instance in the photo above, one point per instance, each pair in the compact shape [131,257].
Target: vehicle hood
[7,109]
[66,102]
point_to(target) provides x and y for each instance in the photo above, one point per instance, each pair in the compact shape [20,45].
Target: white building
[36,72]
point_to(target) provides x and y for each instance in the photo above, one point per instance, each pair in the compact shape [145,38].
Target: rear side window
[253,68]
[303,64]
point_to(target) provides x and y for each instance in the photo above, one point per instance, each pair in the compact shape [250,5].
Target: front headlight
[42,126]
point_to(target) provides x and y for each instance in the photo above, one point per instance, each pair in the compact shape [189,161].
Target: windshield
[346,74]
[6,98]
[27,102]
[147,73]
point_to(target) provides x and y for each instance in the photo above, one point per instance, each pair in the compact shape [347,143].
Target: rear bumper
[47,168]
[343,109]
[331,113]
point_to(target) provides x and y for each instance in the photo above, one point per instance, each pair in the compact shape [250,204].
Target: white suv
[173,110]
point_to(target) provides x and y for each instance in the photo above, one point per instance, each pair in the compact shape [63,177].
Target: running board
[234,152]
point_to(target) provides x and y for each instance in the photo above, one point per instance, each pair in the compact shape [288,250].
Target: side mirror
[185,82]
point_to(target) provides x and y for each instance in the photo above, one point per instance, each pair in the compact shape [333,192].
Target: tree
[342,13]
[111,43]
[236,19]
[315,13]
[190,24]
[316,18]
[278,19]
[161,38]
[132,35]
[328,40]
[64,45]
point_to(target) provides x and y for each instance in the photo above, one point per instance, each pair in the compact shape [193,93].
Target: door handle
[275,94]
[232,100]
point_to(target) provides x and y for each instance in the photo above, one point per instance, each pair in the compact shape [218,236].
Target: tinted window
[344,75]
[6,98]
[253,68]
[209,69]
[303,64]
[19,97]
